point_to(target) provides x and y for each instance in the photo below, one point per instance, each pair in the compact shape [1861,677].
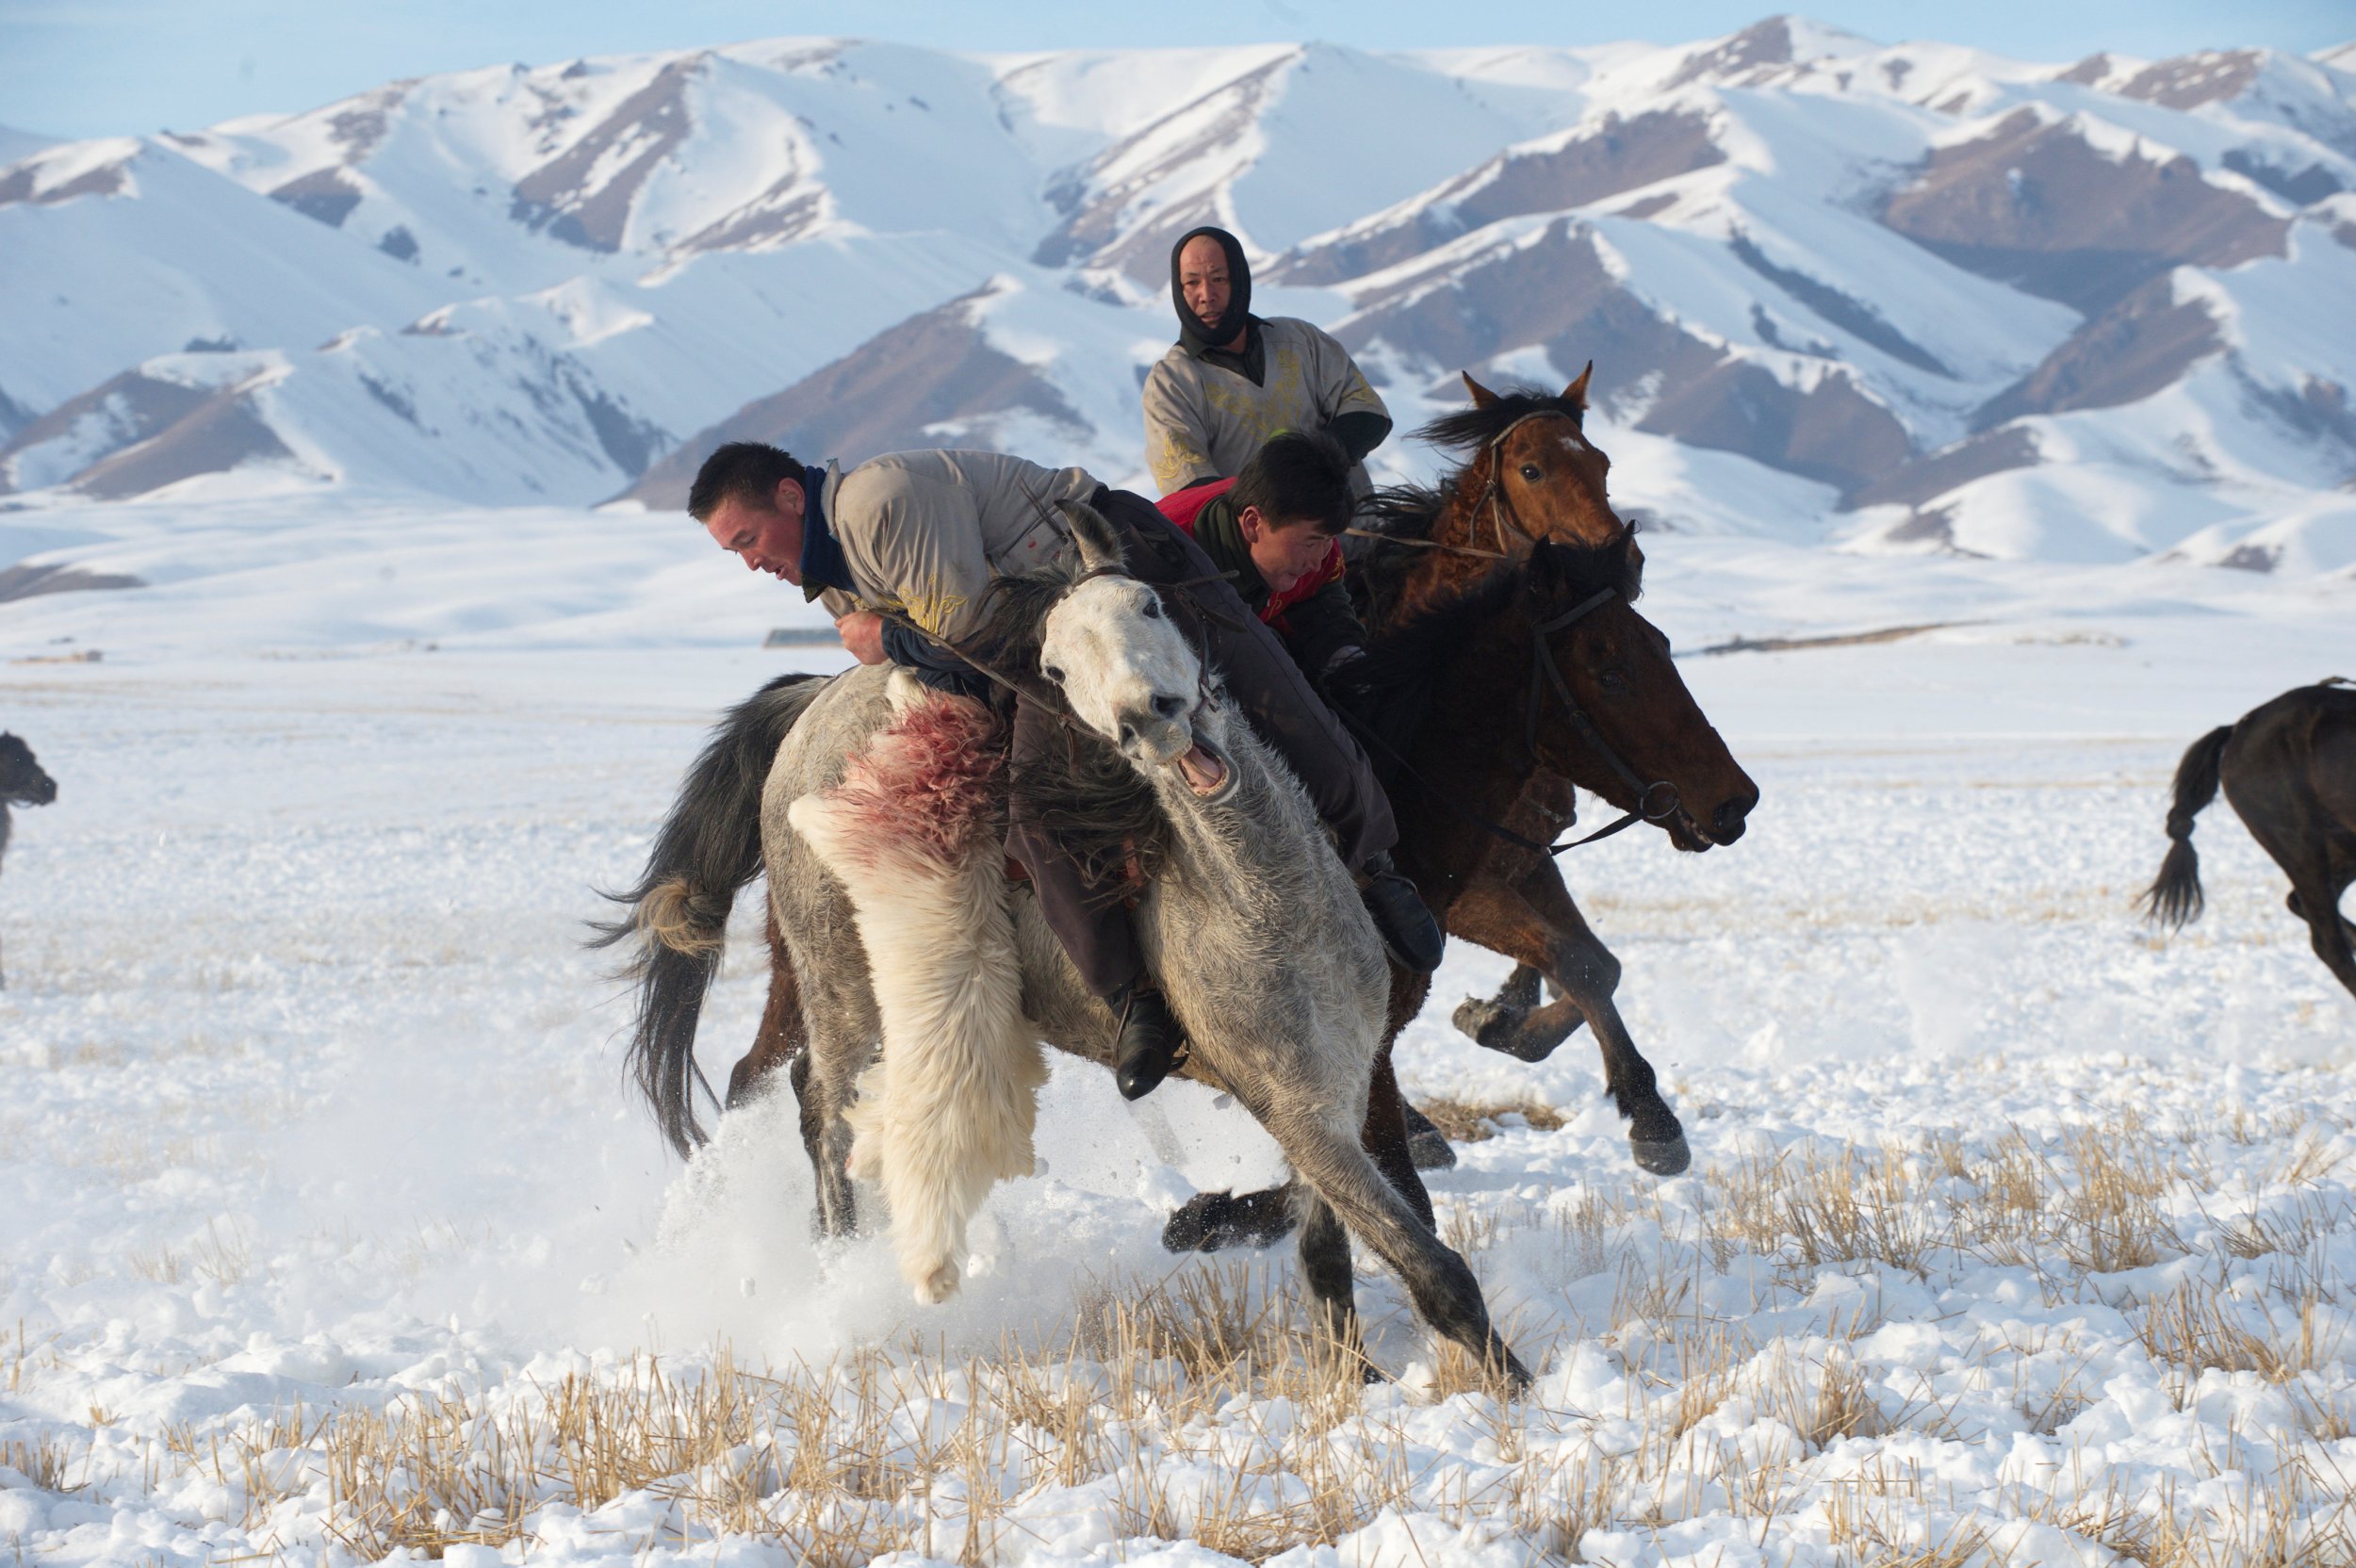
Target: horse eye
[1616,683]
[1530,472]
[1153,610]
[1051,673]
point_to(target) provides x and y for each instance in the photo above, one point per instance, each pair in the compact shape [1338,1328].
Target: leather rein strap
[1543,663]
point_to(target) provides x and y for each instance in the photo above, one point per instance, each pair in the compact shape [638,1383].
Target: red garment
[1182,507]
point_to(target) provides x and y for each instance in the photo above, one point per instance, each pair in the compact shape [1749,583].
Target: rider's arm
[933,664]
[1353,411]
[1359,430]
[915,549]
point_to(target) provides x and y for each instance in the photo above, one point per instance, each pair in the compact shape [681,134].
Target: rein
[1054,704]
[1543,663]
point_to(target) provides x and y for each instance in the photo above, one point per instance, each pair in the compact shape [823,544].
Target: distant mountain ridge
[1929,298]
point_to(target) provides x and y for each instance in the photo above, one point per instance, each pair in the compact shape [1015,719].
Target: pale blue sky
[84,68]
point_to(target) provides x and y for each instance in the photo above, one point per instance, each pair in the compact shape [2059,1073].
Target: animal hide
[914,834]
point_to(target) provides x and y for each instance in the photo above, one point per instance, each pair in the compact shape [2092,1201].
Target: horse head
[1534,475]
[21,781]
[1125,670]
[1645,745]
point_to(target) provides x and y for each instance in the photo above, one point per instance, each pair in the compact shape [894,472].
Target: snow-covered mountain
[1906,297]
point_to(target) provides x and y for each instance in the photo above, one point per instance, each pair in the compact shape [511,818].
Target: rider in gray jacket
[910,542]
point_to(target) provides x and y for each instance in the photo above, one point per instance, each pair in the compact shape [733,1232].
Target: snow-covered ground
[2013,1234]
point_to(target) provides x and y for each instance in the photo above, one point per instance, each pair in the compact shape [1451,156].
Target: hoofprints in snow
[1912,297]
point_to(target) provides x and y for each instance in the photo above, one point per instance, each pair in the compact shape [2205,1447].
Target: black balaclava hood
[1190,330]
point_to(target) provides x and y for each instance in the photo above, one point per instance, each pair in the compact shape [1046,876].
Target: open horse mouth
[1689,834]
[1205,771]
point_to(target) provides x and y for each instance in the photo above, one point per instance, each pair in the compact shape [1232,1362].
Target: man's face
[766,538]
[1283,549]
[1203,279]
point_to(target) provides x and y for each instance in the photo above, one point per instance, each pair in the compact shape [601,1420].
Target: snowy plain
[2013,1234]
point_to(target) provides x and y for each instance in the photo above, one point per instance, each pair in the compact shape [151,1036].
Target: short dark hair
[749,471]
[1297,477]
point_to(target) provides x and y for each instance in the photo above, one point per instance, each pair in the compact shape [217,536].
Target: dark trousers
[1088,914]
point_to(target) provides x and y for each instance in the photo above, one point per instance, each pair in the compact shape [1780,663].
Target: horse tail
[707,849]
[2175,896]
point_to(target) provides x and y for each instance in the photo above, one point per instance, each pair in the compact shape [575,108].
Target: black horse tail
[2175,897]
[709,847]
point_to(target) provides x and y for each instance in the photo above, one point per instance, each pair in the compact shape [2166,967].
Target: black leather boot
[1407,928]
[1148,1044]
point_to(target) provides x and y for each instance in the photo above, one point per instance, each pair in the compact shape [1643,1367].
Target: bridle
[1492,496]
[1543,664]
[1038,692]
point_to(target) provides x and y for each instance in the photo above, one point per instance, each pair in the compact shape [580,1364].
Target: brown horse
[1533,476]
[2289,768]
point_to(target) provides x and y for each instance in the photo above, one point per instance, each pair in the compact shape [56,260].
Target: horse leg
[1389,1143]
[844,1031]
[1546,806]
[1495,913]
[1441,1284]
[1324,1251]
[1539,914]
[1213,1221]
[2328,933]
[1428,1147]
[1210,1221]
[2288,818]
[782,1036]
[1476,1016]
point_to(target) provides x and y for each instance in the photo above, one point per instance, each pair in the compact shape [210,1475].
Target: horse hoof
[1211,1222]
[1492,1027]
[1661,1156]
[1191,1230]
[1476,1016]
[1430,1151]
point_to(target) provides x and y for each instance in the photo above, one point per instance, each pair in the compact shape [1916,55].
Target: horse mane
[1481,424]
[1412,511]
[1100,808]
[1391,690]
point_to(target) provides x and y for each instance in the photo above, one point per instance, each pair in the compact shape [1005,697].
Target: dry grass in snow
[1946,1350]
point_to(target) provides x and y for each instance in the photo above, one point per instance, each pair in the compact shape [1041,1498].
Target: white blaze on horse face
[1126,669]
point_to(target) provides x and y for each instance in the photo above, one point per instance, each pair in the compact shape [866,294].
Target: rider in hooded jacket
[1233,379]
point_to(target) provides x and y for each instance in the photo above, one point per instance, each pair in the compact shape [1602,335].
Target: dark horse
[2289,767]
[21,783]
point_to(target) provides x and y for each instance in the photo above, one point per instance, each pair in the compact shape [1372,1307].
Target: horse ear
[1577,391]
[1482,396]
[1099,545]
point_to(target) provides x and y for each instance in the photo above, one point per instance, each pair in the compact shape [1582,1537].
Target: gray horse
[1264,949]
[21,783]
